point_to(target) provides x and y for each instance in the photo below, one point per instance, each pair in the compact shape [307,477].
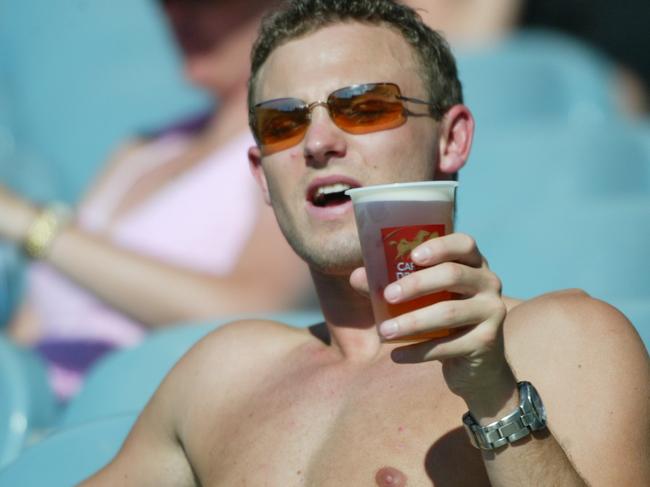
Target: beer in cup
[392,220]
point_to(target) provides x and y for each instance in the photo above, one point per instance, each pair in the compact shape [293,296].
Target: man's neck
[348,316]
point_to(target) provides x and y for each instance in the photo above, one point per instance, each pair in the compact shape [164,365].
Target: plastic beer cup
[392,220]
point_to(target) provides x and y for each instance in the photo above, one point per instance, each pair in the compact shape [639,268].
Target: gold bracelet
[44,229]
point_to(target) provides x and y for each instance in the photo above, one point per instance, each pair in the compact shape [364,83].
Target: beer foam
[419,191]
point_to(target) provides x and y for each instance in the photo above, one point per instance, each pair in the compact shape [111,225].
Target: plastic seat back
[83,77]
[537,75]
[558,205]
[68,456]
[27,404]
[600,247]
[11,282]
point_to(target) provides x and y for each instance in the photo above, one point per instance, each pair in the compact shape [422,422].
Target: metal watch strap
[529,416]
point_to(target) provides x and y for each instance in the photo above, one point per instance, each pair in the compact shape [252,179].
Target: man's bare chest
[325,429]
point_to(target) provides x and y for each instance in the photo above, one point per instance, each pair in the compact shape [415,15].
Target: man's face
[310,68]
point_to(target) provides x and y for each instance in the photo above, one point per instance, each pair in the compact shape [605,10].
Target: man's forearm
[537,460]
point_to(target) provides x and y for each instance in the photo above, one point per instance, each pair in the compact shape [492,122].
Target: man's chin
[339,261]
[334,269]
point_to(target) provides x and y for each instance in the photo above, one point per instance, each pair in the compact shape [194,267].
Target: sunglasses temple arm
[435,108]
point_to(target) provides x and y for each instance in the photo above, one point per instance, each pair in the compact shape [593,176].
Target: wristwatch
[529,416]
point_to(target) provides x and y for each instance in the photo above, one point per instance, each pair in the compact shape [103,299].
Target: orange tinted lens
[280,124]
[368,108]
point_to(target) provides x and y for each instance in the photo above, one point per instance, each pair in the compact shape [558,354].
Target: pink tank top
[192,222]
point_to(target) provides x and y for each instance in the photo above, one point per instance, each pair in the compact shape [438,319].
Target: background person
[617,31]
[617,28]
[174,229]
[471,24]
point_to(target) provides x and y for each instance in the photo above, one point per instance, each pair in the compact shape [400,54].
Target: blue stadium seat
[27,405]
[81,77]
[537,75]
[601,248]
[644,135]
[537,160]
[68,456]
[11,282]
[125,380]
[560,206]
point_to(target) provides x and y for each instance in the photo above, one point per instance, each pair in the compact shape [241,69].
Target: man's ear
[456,134]
[255,164]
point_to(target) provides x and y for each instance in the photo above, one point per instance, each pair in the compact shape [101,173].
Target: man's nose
[323,139]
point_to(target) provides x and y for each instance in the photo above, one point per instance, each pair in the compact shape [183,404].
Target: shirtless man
[258,403]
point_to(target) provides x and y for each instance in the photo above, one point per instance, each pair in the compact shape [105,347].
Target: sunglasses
[359,109]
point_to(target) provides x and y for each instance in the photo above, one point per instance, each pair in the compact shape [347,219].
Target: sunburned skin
[390,477]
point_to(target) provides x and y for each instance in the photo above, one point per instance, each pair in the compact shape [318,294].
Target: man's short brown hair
[296,18]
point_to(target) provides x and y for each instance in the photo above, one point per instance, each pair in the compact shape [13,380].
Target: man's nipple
[390,477]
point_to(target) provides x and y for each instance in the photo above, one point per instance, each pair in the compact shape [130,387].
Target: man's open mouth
[330,195]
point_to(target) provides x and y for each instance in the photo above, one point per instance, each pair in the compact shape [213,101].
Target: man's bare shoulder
[593,373]
[566,336]
[246,342]
[225,365]
[230,357]
[570,313]
[257,330]
[222,367]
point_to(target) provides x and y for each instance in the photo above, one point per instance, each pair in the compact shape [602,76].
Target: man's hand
[474,363]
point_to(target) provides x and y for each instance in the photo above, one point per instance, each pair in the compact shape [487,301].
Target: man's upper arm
[593,373]
[149,456]
[152,453]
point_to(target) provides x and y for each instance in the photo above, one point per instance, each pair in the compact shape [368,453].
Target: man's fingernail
[421,254]
[393,292]
[389,329]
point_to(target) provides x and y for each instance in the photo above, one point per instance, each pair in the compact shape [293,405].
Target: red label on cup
[400,241]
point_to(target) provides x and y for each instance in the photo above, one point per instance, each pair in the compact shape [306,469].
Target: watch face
[539,406]
[537,403]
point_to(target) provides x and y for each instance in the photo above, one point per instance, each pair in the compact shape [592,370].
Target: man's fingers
[456,247]
[448,276]
[463,342]
[444,315]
